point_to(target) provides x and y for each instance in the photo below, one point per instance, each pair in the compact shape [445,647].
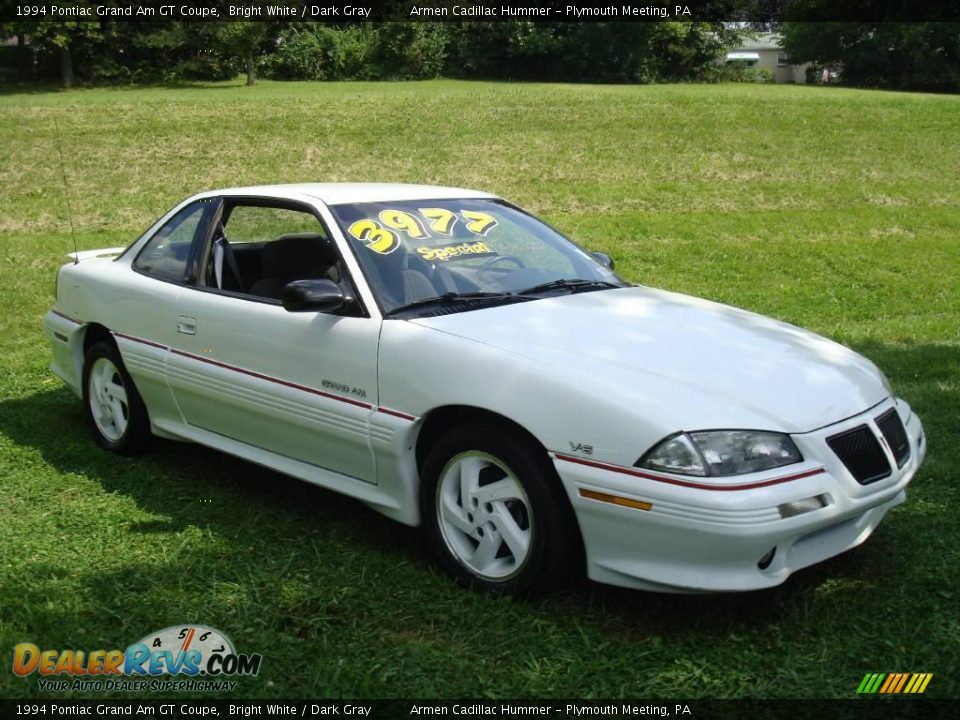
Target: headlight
[721,453]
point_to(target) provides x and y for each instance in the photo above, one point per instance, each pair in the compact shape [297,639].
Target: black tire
[554,557]
[135,436]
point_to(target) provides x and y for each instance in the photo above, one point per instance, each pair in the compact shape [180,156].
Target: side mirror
[313,295]
[603,259]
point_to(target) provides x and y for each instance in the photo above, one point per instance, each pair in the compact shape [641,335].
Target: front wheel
[114,407]
[495,512]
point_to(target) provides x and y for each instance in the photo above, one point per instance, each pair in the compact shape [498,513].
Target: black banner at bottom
[872,708]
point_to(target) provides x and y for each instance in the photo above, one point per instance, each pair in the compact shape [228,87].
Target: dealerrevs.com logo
[199,658]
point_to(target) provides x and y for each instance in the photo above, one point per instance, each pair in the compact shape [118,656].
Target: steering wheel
[488,265]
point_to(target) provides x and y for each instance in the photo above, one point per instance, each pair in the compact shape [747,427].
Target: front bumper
[677,538]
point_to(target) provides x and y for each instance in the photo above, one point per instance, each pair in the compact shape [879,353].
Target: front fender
[565,409]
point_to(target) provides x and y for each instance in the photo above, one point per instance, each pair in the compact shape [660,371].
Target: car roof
[341,193]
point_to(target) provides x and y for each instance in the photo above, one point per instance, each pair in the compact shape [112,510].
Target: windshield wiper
[574,285]
[450,298]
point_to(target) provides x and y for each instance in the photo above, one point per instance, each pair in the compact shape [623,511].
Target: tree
[59,38]
[877,43]
[900,55]
[244,39]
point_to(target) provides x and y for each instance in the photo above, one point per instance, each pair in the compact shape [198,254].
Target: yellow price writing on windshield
[479,223]
[377,238]
[441,220]
[400,220]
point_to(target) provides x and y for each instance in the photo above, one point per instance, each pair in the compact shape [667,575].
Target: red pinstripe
[686,483]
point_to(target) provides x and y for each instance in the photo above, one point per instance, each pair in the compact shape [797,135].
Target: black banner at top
[493,709]
[352,11]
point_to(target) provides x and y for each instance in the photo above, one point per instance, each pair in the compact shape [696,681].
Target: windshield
[415,251]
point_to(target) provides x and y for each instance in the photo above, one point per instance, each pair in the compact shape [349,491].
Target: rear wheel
[114,407]
[495,512]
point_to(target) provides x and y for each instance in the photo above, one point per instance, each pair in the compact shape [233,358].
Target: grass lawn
[833,209]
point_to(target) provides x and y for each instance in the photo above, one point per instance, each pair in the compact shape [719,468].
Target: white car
[452,361]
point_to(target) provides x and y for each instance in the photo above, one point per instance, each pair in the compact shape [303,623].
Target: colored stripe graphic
[866,683]
[891,679]
[926,681]
[894,683]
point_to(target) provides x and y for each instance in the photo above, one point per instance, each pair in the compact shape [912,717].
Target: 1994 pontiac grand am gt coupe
[452,361]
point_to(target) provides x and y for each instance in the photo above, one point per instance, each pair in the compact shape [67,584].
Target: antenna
[66,194]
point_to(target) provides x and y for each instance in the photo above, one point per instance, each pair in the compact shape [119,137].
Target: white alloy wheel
[107,397]
[484,515]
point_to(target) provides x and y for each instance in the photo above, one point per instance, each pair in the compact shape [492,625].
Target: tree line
[110,52]
[894,55]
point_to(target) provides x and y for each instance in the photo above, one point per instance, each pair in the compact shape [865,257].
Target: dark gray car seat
[298,256]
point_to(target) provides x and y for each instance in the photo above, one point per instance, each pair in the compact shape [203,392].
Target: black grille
[860,451]
[891,426]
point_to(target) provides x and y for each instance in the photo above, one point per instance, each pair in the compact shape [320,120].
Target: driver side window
[259,248]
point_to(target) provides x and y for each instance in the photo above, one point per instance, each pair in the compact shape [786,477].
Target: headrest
[297,253]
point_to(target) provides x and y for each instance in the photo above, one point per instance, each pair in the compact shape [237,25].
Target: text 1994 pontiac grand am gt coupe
[452,361]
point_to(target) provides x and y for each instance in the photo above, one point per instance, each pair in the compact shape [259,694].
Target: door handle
[186,325]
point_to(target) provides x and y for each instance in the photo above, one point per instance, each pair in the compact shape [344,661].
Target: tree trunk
[251,70]
[66,66]
[24,59]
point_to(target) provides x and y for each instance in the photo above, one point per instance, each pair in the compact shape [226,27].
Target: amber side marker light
[799,507]
[615,499]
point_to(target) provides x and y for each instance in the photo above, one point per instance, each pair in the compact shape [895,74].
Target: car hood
[721,366]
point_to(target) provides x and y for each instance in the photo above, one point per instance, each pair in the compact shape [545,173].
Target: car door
[140,303]
[298,384]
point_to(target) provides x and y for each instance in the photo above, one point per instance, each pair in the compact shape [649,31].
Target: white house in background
[765,50]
